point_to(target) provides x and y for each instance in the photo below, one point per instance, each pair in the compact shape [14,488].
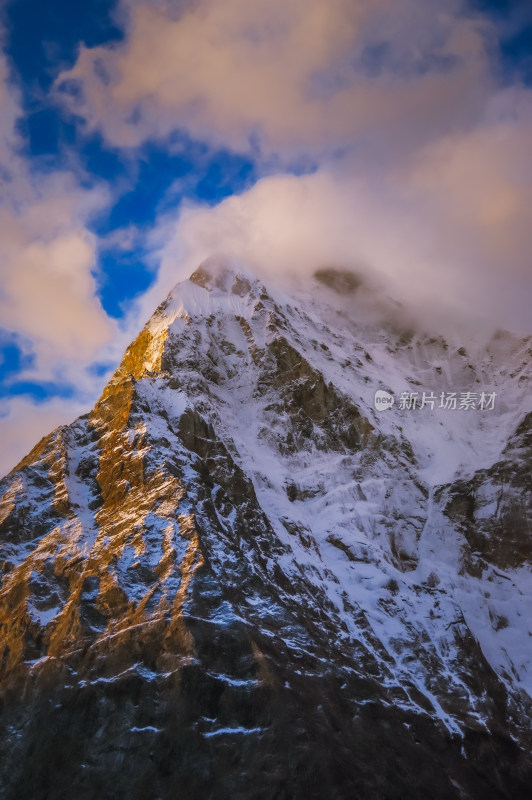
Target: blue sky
[134,159]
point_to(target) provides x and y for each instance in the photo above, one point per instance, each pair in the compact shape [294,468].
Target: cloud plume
[420,149]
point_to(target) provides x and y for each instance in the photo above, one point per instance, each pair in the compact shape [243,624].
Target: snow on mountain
[237,510]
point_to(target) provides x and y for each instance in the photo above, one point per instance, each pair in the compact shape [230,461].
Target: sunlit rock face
[235,578]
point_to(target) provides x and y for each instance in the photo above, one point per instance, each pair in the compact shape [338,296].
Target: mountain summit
[237,577]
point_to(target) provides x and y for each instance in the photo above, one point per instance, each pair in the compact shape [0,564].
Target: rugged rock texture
[234,579]
[494,509]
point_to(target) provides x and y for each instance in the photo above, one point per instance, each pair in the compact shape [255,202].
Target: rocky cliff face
[235,579]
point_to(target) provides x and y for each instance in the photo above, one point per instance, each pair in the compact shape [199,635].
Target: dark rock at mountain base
[193,735]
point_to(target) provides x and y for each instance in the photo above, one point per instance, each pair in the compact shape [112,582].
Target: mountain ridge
[235,510]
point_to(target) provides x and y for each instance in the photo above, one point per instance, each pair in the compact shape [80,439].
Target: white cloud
[297,74]
[446,249]
[47,254]
[422,156]
[46,257]
[47,292]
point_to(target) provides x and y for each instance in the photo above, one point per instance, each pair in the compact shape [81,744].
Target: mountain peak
[218,285]
[223,274]
[236,538]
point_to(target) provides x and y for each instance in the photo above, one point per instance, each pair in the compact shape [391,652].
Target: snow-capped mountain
[237,578]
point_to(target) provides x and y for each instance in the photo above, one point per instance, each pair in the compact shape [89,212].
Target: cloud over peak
[291,75]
